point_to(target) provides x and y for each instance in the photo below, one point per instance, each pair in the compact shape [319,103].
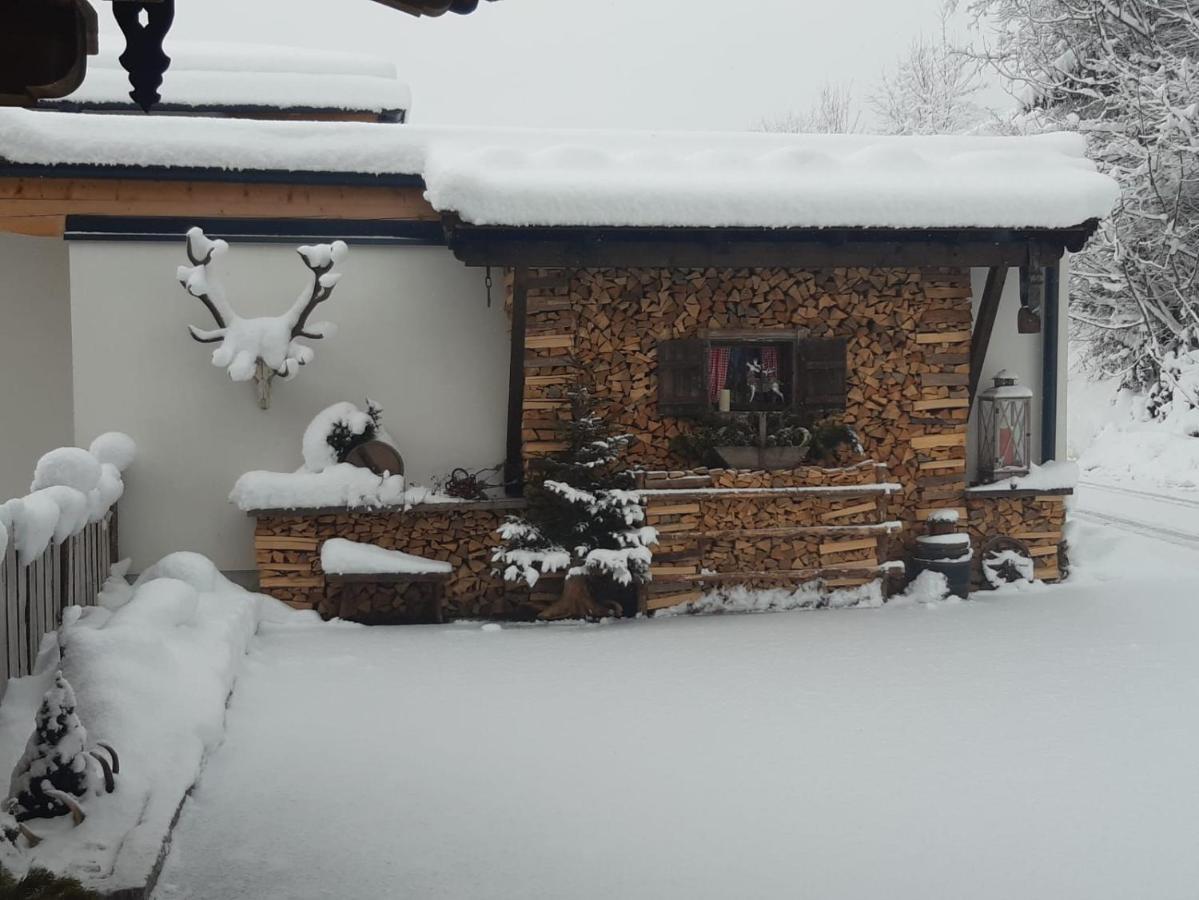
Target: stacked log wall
[908,334]
[1037,519]
[287,544]
[759,529]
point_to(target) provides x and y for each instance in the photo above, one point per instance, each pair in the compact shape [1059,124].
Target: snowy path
[1172,517]
[1035,744]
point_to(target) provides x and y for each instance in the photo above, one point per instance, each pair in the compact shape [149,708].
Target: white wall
[35,356]
[1021,354]
[415,335]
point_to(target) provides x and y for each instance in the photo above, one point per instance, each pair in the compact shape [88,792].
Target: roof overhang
[432,7]
[573,247]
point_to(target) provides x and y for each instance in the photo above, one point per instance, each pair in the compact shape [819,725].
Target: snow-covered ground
[1115,444]
[1035,743]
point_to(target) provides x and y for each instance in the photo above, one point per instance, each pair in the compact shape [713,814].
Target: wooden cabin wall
[908,334]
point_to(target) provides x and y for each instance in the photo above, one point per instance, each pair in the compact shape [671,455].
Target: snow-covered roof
[211,75]
[623,178]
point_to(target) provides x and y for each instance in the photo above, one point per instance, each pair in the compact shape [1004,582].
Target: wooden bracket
[988,309]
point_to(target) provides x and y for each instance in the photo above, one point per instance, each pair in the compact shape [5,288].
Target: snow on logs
[71,489]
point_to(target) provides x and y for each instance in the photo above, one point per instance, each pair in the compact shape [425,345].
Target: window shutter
[683,377]
[820,366]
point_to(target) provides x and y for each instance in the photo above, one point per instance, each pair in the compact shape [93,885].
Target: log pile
[287,544]
[908,334]
[720,527]
[1036,519]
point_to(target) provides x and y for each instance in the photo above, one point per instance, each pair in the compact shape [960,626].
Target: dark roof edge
[153,229]
[232,110]
[201,173]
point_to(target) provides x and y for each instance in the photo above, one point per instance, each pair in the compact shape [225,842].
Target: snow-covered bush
[56,765]
[338,429]
[583,515]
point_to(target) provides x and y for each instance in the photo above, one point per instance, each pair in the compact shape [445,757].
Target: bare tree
[833,112]
[1126,74]
[929,89]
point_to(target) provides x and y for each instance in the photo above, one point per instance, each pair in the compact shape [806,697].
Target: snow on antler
[271,340]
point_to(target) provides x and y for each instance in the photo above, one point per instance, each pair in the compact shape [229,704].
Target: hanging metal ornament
[145,26]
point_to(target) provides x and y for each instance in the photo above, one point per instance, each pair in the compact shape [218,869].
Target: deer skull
[265,347]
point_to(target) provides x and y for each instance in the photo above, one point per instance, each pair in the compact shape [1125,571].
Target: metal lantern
[1005,411]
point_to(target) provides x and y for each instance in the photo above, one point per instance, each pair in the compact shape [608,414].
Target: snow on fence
[58,544]
[35,595]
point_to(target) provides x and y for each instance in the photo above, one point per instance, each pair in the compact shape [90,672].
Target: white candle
[726,400]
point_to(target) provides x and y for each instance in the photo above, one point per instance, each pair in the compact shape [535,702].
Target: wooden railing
[33,597]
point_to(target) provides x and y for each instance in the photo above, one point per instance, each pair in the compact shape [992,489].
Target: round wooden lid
[381,458]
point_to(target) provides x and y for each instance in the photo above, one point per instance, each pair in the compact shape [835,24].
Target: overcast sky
[691,64]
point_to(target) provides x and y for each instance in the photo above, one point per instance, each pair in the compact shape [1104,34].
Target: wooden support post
[514,466]
[988,308]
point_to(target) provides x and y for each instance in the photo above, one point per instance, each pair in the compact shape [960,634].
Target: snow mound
[342,557]
[116,590]
[109,490]
[69,466]
[152,679]
[927,587]
[194,569]
[74,510]
[1058,474]
[115,448]
[162,602]
[34,519]
[341,485]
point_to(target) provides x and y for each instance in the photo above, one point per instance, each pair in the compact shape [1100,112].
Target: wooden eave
[687,248]
[37,200]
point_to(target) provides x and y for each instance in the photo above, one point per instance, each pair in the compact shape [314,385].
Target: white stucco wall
[35,356]
[414,334]
[1022,355]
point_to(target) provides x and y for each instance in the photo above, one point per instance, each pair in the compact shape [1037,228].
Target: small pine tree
[55,758]
[583,517]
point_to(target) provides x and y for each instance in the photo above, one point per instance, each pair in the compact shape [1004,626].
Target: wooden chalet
[892,325]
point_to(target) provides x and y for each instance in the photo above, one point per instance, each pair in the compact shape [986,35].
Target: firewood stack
[288,543]
[777,529]
[908,334]
[1034,518]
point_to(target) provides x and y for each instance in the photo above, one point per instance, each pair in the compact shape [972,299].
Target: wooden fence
[34,596]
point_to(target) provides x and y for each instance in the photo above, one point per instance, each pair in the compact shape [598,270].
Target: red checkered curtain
[718,371]
[770,361]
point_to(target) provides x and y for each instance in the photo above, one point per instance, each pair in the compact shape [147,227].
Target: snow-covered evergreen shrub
[55,759]
[584,516]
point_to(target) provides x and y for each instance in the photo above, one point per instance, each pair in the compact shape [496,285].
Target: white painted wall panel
[35,356]
[415,335]
[1022,355]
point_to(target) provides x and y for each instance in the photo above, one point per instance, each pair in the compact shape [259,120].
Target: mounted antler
[320,260]
[200,251]
[266,347]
